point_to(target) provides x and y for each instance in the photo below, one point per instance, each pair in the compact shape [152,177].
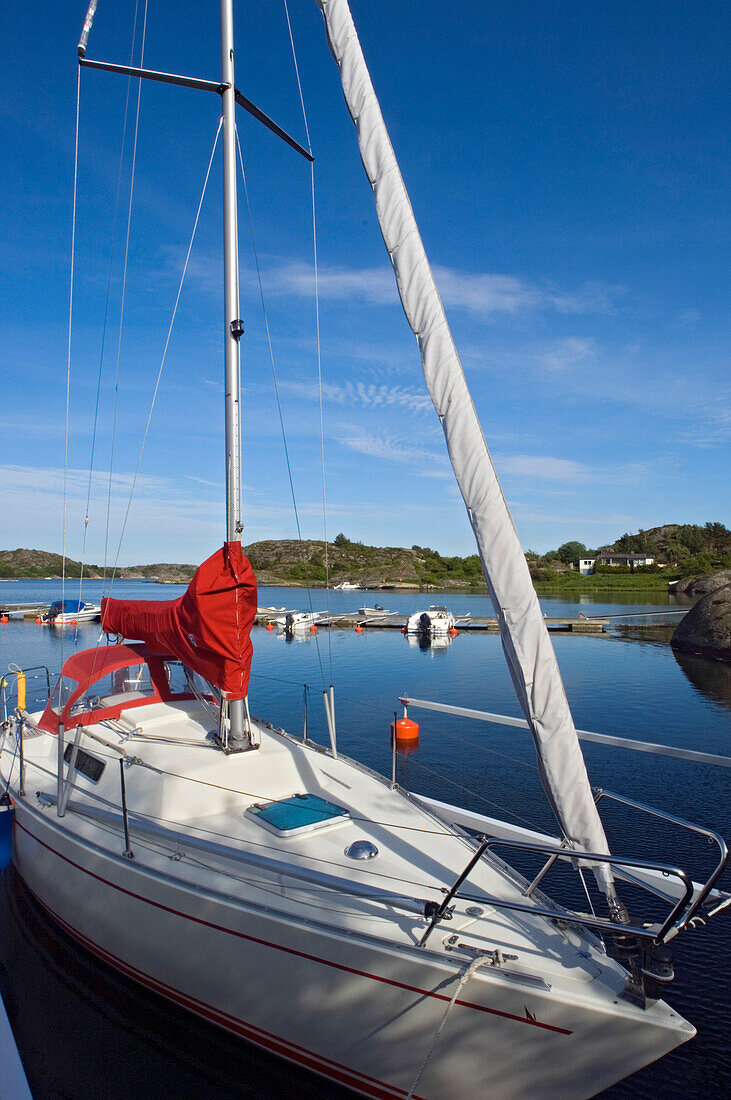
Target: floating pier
[351,619]
[486,623]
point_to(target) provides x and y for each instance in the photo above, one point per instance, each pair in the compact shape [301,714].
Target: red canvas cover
[208,628]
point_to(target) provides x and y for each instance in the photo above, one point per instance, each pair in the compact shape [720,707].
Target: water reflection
[711,678]
[437,643]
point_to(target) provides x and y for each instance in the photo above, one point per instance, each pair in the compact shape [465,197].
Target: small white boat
[437,621]
[346,586]
[297,620]
[71,612]
[375,612]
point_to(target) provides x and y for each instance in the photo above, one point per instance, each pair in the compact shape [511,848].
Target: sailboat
[288,893]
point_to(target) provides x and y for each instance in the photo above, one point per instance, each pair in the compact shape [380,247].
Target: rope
[121,315]
[165,351]
[466,975]
[68,350]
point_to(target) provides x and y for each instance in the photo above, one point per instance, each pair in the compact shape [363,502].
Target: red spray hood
[208,628]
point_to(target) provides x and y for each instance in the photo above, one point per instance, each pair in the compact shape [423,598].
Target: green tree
[570,552]
[340,540]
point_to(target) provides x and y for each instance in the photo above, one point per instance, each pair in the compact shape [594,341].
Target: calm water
[63,1002]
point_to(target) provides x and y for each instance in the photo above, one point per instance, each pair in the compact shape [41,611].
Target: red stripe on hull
[288,950]
[291,1051]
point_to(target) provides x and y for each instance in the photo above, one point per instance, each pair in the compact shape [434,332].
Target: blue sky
[566,163]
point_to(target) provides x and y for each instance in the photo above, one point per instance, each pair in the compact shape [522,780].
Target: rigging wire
[106,307]
[68,350]
[276,388]
[121,316]
[470,791]
[317,328]
[164,353]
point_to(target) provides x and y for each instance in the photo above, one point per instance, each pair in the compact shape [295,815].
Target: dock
[475,623]
[349,620]
[23,610]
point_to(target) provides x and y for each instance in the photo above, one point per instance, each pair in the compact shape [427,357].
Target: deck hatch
[301,813]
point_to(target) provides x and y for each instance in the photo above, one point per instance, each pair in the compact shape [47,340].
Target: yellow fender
[20,684]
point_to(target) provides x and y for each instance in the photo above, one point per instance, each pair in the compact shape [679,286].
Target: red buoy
[270,626]
[453,631]
[403,629]
[74,622]
[4,619]
[359,629]
[406,731]
[313,629]
[39,619]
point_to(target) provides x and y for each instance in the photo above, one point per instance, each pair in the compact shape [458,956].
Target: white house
[586,565]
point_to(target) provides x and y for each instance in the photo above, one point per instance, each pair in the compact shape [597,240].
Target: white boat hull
[87,614]
[436,623]
[356,1010]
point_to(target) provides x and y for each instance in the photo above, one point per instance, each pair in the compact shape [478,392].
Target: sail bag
[208,628]
[525,640]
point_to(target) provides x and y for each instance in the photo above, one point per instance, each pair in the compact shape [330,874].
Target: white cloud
[548,468]
[479,295]
[426,463]
[367,395]
[713,427]
[161,509]
[570,352]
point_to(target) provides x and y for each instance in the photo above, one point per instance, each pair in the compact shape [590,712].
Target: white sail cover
[526,643]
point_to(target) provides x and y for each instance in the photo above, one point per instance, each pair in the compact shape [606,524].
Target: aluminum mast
[233,326]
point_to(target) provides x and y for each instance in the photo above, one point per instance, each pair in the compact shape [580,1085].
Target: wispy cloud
[426,463]
[480,295]
[366,395]
[568,353]
[713,427]
[548,468]
[33,503]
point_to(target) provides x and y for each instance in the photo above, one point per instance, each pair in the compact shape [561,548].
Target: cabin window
[64,689]
[119,686]
[88,765]
[175,674]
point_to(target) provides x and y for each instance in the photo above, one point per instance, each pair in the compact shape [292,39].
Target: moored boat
[70,612]
[437,620]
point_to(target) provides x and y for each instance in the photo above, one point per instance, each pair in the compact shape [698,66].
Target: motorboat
[436,621]
[375,612]
[297,620]
[71,612]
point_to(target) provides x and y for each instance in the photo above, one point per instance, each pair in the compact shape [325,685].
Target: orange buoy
[454,632]
[39,619]
[406,730]
[359,629]
[74,622]
[403,629]
[270,626]
[4,619]
[313,629]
